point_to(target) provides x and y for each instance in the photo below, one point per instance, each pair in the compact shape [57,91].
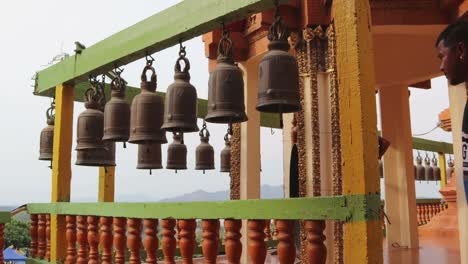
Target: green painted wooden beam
[184,21]
[433,146]
[342,208]
[5,217]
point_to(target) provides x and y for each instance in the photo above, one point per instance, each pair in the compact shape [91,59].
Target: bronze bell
[47,136]
[435,169]
[97,157]
[177,153]
[226,155]
[90,125]
[450,169]
[419,168]
[180,111]
[278,85]
[226,87]
[149,156]
[147,112]
[117,113]
[428,171]
[204,153]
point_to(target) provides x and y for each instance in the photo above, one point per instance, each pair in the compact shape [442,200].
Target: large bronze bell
[177,153]
[226,155]
[419,168]
[428,171]
[117,113]
[149,156]
[47,136]
[90,126]
[180,111]
[204,155]
[226,87]
[147,112]
[97,157]
[278,85]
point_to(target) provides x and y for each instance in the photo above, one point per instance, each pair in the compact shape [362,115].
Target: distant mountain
[267,192]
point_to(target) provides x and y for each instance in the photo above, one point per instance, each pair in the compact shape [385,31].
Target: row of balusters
[86,234]
[428,210]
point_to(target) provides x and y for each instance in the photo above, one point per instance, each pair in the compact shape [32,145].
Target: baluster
[431,211]
[418,211]
[168,242]
[426,209]
[210,243]
[47,232]
[423,207]
[120,239]
[33,234]
[71,239]
[93,239]
[268,229]
[82,238]
[187,239]
[41,243]
[232,243]
[316,251]
[438,208]
[2,242]
[286,246]
[256,235]
[134,239]
[151,240]
[105,239]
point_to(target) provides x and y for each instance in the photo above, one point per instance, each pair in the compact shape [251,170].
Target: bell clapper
[151,172]
[124,144]
[176,171]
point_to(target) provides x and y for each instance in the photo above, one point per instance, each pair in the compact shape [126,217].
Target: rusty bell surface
[46,145]
[226,87]
[419,169]
[278,85]
[180,112]
[147,113]
[97,157]
[90,127]
[117,113]
[177,153]
[149,156]
[204,155]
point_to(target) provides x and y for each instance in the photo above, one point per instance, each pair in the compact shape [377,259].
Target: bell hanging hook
[149,59]
[182,51]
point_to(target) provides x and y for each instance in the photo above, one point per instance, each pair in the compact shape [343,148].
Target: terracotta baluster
[105,239]
[256,235]
[41,236]
[93,240]
[134,239]
[120,239]
[168,242]
[315,250]
[426,208]
[232,243]
[210,243]
[423,213]
[275,232]
[286,243]
[151,240]
[71,239]
[47,254]
[438,208]
[268,229]
[33,234]
[2,242]
[431,211]
[187,239]
[82,238]
[418,211]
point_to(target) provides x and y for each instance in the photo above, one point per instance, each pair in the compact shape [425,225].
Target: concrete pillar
[457,99]
[400,195]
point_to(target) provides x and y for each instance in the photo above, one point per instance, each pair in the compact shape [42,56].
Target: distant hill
[267,192]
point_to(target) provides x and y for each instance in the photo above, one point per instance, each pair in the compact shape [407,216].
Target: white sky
[33,32]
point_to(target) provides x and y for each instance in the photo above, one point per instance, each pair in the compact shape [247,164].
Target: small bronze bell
[435,169]
[147,112]
[177,153]
[149,156]
[117,113]
[226,87]
[428,171]
[47,135]
[381,168]
[97,157]
[419,168]
[450,169]
[180,111]
[278,85]
[204,153]
[90,127]
[226,154]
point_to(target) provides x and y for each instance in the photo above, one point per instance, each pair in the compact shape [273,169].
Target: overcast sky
[33,32]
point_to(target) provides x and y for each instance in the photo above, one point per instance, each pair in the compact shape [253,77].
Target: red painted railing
[427,209]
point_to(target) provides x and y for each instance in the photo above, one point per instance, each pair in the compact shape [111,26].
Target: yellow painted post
[442,166]
[106,184]
[358,123]
[61,167]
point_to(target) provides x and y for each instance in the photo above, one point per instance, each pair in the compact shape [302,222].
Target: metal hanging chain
[204,131]
[149,59]
[50,113]
[182,52]
[278,30]
[225,43]
[227,137]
